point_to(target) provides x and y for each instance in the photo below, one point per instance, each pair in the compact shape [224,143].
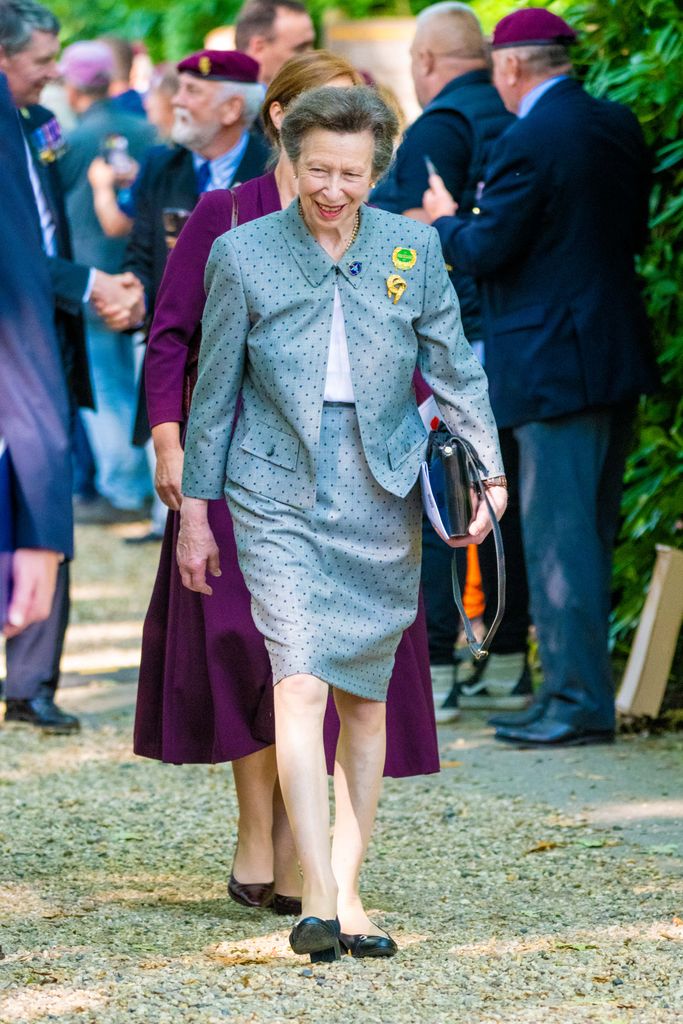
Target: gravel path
[520,888]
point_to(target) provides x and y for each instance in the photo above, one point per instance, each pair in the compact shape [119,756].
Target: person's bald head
[448,42]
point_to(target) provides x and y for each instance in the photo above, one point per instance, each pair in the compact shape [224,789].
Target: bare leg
[300,703]
[287,874]
[357,783]
[255,777]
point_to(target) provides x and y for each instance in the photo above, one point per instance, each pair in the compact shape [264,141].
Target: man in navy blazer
[562,216]
[35,474]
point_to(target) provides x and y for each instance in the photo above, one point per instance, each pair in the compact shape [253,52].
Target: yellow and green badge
[403,258]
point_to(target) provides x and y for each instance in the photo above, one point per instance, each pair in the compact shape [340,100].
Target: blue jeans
[122,474]
[571,472]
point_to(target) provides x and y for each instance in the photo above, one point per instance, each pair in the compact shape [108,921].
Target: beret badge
[204,65]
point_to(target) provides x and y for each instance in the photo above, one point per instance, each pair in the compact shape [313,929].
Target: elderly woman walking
[318,316]
[205,690]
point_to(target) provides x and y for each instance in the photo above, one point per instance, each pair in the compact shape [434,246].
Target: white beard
[186,131]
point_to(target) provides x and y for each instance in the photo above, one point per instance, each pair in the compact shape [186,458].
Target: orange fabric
[473,598]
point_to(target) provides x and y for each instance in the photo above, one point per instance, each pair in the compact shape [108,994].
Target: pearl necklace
[354,233]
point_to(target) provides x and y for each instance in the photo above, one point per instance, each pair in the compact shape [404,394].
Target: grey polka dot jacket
[266,333]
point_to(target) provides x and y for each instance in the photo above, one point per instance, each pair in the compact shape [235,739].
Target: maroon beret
[533,26]
[221,66]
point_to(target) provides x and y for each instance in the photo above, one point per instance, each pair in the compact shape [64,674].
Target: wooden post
[649,663]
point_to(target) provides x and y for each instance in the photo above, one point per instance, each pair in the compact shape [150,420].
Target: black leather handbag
[456,480]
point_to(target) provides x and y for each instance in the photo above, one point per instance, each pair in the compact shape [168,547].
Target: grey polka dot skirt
[332,587]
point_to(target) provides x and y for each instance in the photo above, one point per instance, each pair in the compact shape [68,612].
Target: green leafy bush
[632,51]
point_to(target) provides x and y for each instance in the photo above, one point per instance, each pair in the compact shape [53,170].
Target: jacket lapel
[311,258]
[358,258]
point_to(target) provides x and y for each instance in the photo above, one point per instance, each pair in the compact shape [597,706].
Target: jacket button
[271,451]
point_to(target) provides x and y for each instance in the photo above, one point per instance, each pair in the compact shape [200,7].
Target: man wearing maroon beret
[217,102]
[552,243]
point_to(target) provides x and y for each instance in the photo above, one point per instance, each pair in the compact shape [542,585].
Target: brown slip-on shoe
[255,895]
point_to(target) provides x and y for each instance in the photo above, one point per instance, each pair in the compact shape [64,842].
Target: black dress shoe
[255,895]
[42,712]
[368,945]
[520,718]
[548,732]
[317,937]
[286,906]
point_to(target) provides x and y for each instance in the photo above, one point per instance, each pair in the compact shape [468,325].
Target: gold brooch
[395,287]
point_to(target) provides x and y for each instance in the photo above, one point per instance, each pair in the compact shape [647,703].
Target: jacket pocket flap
[520,319]
[409,435]
[273,445]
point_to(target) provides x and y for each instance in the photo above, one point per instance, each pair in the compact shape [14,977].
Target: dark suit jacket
[562,216]
[168,180]
[69,279]
[33,400]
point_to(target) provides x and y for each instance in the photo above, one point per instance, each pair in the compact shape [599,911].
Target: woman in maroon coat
[205,691]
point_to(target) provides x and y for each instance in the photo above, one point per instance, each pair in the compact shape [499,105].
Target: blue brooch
[355,268]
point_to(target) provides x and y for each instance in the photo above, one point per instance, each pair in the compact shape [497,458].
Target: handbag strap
[235,215]
[480,650]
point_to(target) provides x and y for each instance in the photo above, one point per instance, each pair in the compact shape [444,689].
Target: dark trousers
[442,616]
[82,459]
[33,656]
[571,472]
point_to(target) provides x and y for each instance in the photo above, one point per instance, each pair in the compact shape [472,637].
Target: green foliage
[173,28]
[170,28]
[632,51]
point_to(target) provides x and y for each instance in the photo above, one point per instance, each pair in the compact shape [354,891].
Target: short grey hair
[348,111]
[541,58]
[19,19]
[252,97]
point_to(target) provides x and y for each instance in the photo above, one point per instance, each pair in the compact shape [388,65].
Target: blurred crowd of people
[539,195]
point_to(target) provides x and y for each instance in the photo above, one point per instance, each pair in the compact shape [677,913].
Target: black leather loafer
[368,945]
[42,713]
[255,895]
[519,719]
[317,937]
[286,906]
[550,733]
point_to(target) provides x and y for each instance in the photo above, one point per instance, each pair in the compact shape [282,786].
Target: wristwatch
[495,481]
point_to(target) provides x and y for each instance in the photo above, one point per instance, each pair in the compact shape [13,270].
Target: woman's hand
[437,200]
[168,476]
[197,550]
[481,526]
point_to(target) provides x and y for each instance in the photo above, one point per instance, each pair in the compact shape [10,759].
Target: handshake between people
[119,299]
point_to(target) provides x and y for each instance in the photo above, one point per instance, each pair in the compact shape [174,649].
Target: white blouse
[338,386]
